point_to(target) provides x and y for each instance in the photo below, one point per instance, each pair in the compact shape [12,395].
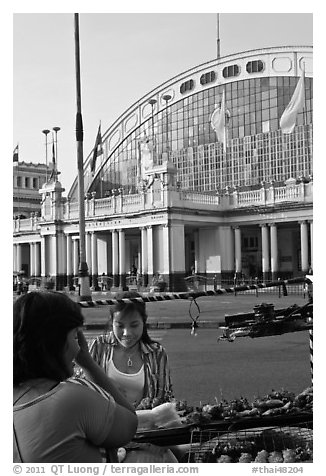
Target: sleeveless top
[131,385]
[156,367]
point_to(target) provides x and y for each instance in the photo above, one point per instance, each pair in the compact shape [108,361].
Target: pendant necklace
[129,361]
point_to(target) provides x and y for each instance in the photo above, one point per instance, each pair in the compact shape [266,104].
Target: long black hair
[126,308]
[42,321]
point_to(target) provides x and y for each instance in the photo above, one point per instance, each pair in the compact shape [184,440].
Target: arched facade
[168,198]
[258,86]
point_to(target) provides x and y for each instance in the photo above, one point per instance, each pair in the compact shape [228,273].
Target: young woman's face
[127,328]
[71,348]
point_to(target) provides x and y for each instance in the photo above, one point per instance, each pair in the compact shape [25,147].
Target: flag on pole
[15,154]
[53,154]
[297,102]
[219,121]
[53,171]
[98,149]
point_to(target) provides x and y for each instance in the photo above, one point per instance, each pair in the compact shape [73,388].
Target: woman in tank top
[138,365]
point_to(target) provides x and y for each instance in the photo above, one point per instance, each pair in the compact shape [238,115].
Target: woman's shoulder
[154,346]
[83,385]
[102,340]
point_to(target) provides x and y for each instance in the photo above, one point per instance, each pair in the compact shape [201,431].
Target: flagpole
[46,132]
[101,169]
[84,290]
[218,52]
[305,124]
[56,129]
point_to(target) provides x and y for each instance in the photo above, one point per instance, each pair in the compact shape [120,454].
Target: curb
[166,325]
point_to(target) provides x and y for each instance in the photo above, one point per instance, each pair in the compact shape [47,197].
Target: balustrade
[268,195]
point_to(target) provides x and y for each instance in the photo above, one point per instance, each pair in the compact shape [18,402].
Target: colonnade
[160,249]
[119,265]
[270,248]
[34,258]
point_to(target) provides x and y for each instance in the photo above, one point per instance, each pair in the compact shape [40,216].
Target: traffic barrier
[193,295]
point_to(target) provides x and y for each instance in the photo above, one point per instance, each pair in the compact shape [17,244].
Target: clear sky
[123,56]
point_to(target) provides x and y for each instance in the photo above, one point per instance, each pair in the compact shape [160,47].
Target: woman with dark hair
[137,364]
[59,419]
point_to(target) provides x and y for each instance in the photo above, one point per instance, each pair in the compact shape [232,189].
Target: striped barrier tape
[311,353]
[194,295]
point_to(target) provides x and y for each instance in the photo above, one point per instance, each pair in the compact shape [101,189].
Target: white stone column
[175,236]
[14,256]
[122,259]
[54,255]
[115,258]
[166,250]
[62,259]
[89,253]
[69,255]
[75,256]
[143,232]
[265,251]
[143,264]
[94,253]
[43,258]
[274,250]
[37,263]
[69,258]
[94,261]
[197,251]
[150,253]
[304,246]
[19,257]
[237,249]
[104,254]
[226,238]
[31,259]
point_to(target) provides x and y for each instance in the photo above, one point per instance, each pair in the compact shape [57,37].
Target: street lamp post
[56,129]
[46,132]
[167,98]
[152,102]
[84,292]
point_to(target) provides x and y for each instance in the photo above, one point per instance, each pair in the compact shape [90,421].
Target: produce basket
[261,445]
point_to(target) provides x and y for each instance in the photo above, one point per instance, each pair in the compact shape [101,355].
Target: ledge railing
[119,203]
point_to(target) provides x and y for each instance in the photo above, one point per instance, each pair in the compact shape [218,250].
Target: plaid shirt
[156,367]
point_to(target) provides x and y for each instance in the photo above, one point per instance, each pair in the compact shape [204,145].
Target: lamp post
[167,98]
[56,129]
[46,132]
[85,292]
[152,102]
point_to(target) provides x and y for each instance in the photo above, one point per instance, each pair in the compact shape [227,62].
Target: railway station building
[169,196]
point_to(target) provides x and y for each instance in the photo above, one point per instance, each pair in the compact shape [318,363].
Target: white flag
[289,116]
[146,156]
[218,121]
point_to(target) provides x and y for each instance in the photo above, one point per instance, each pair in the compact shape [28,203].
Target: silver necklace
[129,362]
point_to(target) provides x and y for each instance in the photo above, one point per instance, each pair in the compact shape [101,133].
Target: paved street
[204,368]
[211,308]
